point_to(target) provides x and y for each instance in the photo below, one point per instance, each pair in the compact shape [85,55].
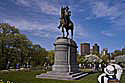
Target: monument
[65,64]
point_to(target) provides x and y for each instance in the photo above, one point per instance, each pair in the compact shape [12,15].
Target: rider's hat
[109,70]
[67,7]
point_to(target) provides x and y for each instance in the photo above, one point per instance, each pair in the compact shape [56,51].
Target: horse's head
[62,12]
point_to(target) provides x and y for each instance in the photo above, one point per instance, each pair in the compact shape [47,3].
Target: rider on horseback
[67,15]
[65,21]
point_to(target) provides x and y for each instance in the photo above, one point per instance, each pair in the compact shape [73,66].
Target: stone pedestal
[65,56]
[65,64]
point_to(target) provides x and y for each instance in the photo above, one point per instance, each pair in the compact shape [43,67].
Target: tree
[105,58]
[123,51]
[16,48]
[6,38]
[50,57]
[39,55]
[80,59]
[116,53]
[13,46]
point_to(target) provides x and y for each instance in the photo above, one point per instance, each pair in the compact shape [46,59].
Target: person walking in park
[112,74]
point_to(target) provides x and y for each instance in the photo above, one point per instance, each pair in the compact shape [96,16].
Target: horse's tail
[71,25]
[72,29]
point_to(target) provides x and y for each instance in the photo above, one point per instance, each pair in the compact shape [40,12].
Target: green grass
[29,77]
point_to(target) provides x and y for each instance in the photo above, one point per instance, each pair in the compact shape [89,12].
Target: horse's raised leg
[59,25]
[63,31]
[67,33]
[72,33]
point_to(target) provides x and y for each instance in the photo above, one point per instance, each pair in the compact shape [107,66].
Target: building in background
[85,48]
[95,49]
[91,51]
[104,52]
[105,55]
[123,51]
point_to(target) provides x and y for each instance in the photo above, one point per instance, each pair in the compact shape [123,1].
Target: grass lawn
[29,77]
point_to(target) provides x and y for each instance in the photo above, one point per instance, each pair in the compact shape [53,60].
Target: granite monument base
[65,64]
[62,76]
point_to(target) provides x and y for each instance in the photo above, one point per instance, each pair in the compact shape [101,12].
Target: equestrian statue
[65,21]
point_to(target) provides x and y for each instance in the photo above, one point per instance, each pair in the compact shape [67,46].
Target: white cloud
[39,5]
[41,34]
[37,29]
[88,18]
[101,9]
[2,8]
[120,21]
[23,24]
[81,31]
[115,14]
[108,34]
[49,8]
[23,2]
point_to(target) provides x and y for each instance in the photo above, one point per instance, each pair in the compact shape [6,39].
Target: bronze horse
[65,22]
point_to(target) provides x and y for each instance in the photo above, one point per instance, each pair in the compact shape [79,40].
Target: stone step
[80,76]
[77,74]
[74,76]
[57,77]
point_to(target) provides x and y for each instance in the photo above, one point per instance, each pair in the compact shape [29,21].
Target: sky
[95,21]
